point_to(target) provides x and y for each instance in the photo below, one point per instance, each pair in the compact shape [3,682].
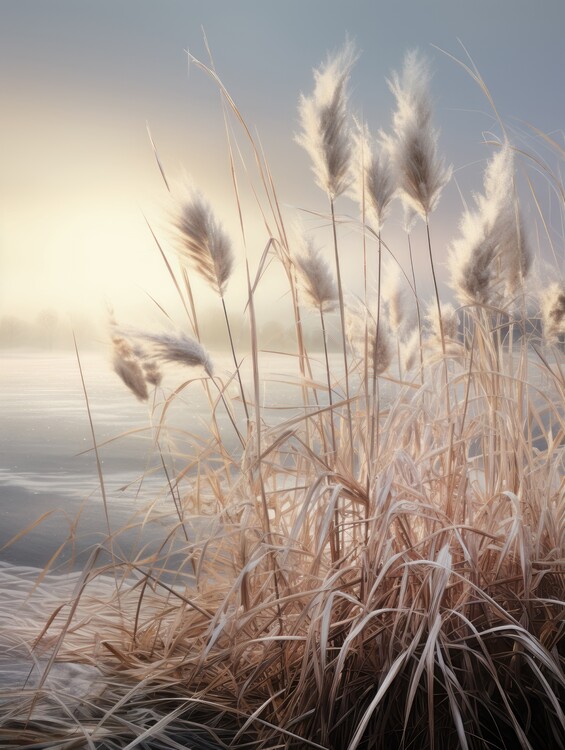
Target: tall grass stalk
[342,319]
[327,139]
[417,301]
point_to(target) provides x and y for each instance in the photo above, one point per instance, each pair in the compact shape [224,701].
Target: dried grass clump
[384,567]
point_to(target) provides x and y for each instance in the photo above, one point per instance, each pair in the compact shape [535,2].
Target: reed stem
[343,341]
[236,364]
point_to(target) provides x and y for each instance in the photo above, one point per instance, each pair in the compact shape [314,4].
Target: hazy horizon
[82,83]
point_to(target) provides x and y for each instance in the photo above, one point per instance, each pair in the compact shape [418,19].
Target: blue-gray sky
[80,79]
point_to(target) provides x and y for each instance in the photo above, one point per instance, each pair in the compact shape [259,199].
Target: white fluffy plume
[202,241]
[177,348]
[492,257]
[366,339]
[324,119]
[421,172]
[374,183]
[317,280]
[553,311]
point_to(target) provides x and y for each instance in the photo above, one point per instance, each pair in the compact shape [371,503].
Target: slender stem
[440,319]
[344,345]
[418,314]
[469,377]
[235,359]
[363,219]
[374,434]
[328,376]
[336,541]
[95,446]
[449,461]
[303,360]
[230,415]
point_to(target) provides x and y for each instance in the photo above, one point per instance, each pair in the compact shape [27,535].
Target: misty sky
[80,80]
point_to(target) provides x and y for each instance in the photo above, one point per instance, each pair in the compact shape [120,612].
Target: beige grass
[378,572]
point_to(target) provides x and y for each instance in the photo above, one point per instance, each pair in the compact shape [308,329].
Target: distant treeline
[50,331]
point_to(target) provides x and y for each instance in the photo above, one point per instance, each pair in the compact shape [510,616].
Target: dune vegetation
[382,567]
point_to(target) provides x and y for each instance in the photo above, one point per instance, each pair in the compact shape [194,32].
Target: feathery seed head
[202,241]
[411,349]
[323,116]
[152,372]
[318,282]
[514,247]
[131,373]
[179,348]
[127,366]
[411,90]
[409,218]
[553,311]
[471,261]
[366,338]
[375,184]
[492,257]
[393,295]
[422,173]
[449,321]
[502,215]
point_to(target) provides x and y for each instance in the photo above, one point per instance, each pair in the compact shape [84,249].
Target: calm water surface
[48,468]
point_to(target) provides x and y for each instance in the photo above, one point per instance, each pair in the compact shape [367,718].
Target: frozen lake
[47,465]
[45,462]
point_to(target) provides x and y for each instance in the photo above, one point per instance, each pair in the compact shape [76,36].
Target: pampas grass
[375,185]
[405,589]
[370,339]
[491,259]
[316,278]
[202,241]
[422,173]
[128,367]
[325,130]
[326,136]
[176,348]
[553,311]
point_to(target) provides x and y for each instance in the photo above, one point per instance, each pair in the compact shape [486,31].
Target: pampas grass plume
[553,311]
[323,116]
[471,261]
[317,280]
[411,350]
[393,296]
[202,241]
[492,257]
[153,374]
[127,366]
[449,319]
[176,348]
[364,336]
[422,173]
[374,183]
